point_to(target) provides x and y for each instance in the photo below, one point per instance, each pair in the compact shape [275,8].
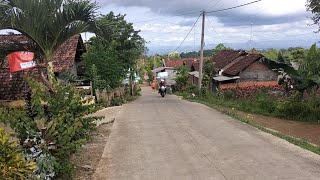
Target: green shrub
[192,89]
[136,90]
[228,95]
[264,103]
[117,101]
[12,162]
[52,128]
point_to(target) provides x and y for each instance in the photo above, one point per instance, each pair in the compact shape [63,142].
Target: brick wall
[258,72]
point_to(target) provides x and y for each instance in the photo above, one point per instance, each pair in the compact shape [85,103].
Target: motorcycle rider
[162,83]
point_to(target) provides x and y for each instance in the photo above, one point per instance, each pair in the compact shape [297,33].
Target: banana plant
[305,78]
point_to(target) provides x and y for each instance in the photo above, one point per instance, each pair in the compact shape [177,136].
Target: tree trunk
[46,82]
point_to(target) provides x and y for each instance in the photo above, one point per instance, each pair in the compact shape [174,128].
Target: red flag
[19,61]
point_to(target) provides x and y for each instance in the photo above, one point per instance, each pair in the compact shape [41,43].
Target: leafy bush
[192,89]
[182,78]
[308,110]
[12,162]
[52,127]
[136,90]
[266,103]
[117,101]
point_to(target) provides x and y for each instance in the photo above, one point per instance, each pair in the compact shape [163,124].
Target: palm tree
[46,23]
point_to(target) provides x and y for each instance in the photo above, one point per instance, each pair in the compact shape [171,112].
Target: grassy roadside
[229,111]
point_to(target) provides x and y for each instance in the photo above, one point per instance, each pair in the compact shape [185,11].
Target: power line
[167,17]
[214,29]
[214,4]
[234,7]
[188,33]
[196,12]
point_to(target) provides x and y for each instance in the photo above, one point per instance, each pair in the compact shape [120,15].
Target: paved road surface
[168,138]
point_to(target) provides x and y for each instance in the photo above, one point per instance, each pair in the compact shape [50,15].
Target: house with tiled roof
[191,63]
[240,66]
[67,58]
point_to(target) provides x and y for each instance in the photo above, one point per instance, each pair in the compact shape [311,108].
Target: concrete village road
[169,138]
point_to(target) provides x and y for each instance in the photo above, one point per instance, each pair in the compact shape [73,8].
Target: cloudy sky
[266,24]
[274,23]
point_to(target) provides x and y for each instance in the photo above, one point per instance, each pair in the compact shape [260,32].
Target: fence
[107,96]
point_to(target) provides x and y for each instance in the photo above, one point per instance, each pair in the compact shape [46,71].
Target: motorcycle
[162,91]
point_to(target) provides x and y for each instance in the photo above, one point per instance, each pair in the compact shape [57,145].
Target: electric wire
[214,29]
[150,20]
[188,33]
[234,7]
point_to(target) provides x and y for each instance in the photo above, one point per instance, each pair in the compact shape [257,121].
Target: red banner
[19,61]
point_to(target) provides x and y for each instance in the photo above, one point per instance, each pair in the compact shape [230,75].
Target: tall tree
[46,23]
[116,32]
[314,7]
[115,50]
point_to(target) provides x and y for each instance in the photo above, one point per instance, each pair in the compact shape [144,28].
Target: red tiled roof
[225,57]
[12,86]
[13,37]
[240,64]
[248,84]
[233,62]
[64,57]
[180,62]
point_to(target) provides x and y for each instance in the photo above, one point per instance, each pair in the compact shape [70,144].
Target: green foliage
[271,54]
[290,54]
[306,78]
[209,73]
[206,53]
[97,82]
[220,47]
[262,102]
[182,78]
[115,50]
[298,54]
[55,128]
[106,69]
[174,55]
[314,7]
[117,101]
[12,163]
[47,24]
[136,90]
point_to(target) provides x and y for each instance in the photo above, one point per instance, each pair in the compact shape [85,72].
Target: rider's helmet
[162,80]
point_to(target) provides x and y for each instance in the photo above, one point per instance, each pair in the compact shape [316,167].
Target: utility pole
[251,44]
[201,52]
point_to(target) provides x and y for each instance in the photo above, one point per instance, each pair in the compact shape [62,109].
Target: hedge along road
[169,138]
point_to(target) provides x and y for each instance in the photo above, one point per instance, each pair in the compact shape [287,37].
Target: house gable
[259,72]
[65,58]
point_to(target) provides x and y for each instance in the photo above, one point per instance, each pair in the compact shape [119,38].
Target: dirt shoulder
[303,130]
[87,159]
